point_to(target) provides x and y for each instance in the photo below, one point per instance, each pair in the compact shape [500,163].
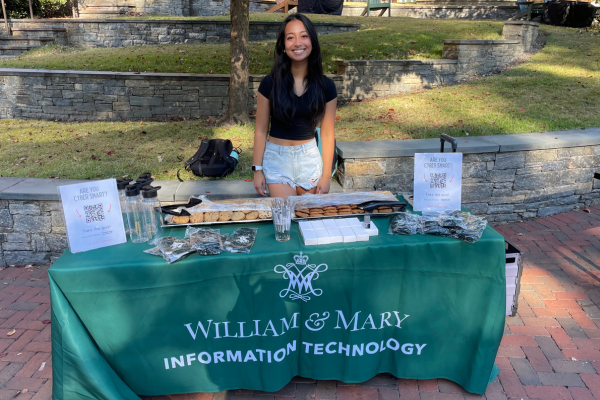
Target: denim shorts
[294,165]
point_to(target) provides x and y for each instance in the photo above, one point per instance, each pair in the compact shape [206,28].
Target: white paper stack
[328,231]
[322,236]
[310,237]
[348,234]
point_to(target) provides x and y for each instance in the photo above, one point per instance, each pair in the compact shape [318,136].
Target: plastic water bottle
[152,214]
[135,215]
[121,187]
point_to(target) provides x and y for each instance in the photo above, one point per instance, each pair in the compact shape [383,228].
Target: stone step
[101,14]
[49,31]
[107,6]
[25,40]
[14,50]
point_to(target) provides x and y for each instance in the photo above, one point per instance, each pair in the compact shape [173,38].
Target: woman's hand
[323,185]
[260,184]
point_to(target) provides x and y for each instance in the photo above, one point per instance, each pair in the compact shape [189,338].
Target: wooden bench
[526,13]
[284,6]
[378,5]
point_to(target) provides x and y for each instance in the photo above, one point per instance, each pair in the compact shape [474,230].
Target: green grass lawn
[378,38]
[558,88]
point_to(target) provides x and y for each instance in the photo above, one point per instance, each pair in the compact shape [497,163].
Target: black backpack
[214,158]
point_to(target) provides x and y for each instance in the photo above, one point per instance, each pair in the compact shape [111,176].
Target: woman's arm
[263,115]
[327,145]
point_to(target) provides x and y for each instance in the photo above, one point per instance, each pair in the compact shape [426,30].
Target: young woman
[294,98]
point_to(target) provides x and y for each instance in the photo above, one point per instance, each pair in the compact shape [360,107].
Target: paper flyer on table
[92,215]
[438,181]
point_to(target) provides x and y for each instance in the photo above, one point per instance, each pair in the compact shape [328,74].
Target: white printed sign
[438,180]
[92,215]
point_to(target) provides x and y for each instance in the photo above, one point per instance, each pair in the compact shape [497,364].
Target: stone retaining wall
[441,12]
[31,232]
[463,59]
[179,8]
[502,186]
[506,178]
[120,33]
[108,96]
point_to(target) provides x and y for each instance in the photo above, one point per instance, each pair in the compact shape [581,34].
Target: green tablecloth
[126,323]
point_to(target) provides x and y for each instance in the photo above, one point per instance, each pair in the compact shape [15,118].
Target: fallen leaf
[110,153]
[12,332]
[248,180]
[585,209]
[46,321]
[2,355]
[338,117]
[24,390]
[521,110]
[19,392]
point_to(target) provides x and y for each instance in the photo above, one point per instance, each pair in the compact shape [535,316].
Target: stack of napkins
[326,231]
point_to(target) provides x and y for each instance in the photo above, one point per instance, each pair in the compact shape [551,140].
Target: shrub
[56,8]
[19,9]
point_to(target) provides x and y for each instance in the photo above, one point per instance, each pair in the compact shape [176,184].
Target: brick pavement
[550,350]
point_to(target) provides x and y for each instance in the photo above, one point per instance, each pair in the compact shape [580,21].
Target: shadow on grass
[44,149]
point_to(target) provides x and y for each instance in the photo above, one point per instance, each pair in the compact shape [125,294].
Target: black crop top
[300,126]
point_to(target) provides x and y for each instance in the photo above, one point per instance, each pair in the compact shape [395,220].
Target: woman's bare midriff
[287,142]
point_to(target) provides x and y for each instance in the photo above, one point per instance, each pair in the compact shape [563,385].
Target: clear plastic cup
[282,219]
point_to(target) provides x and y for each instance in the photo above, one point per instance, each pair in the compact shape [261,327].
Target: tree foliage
[19,9]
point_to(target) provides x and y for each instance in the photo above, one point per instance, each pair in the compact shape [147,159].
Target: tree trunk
[237,112]
[8,33]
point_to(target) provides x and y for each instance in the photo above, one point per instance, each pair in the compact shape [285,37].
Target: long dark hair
[284,101]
